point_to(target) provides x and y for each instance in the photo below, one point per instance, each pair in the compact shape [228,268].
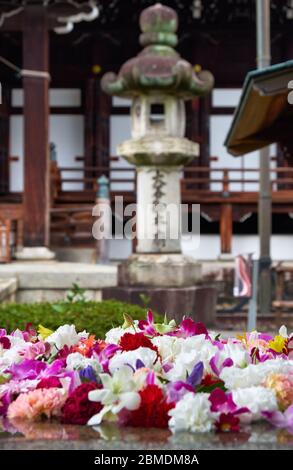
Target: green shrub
[95,317]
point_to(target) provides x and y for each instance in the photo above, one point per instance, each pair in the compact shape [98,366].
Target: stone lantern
[158,81]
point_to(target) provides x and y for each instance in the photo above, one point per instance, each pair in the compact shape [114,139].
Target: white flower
[76,361]
[192,413]
[168,346]
[12,355]
[191,351]
[118,392]
[146,355]
[256,399]
[236,352]
[65,335]
[114,335]
[254,374]
[283,331]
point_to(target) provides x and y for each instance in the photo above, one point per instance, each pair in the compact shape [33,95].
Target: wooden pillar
[89,123]
[226,228]
[102,128]
[36,118]
[4,142]
[97,125]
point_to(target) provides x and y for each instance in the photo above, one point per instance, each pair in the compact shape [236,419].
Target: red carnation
[49,382]
[77,408]
[153,410]
[130,342]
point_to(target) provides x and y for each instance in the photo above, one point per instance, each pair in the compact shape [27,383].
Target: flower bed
[148,375]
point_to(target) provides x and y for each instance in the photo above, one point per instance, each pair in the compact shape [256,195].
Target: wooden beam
[36,116]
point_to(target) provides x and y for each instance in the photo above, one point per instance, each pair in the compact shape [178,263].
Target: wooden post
[36,118]
[4,143]
[102,128]
[226,228]
[97,123]
[89,128]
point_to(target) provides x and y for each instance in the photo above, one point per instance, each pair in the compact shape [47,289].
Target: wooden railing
[199,179]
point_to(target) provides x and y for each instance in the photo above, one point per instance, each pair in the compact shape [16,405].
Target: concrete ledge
[8,288]
[54,275]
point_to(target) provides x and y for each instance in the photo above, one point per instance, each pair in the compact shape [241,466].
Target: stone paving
[39,436]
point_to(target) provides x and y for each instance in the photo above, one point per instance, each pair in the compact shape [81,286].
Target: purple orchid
[139,364]
[196,375]
[88,374]
[177,390]
[281,420]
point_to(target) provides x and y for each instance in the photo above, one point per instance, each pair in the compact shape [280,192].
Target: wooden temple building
[59,131]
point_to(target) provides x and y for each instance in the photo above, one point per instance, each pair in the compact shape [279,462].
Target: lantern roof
[158,68]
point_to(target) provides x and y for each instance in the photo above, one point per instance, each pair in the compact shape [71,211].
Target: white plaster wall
[66,131]
[120,130]
[16,149]
[219,126]
[208,247]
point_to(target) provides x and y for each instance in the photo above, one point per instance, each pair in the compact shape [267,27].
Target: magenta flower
[5,401]
[36,370]
[106,354]
[148,326]
[27,369]
[279,419]
[217,366]
[189,328]
[5,342]
[223,402]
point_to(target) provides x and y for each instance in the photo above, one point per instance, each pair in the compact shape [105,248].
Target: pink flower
[279,419]
[283,388]
[34,350]
[41,402]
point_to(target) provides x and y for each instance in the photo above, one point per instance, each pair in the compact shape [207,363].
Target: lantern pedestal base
[198,302]
[159,270]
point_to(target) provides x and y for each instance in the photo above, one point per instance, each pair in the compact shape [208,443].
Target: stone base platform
[49,281]
[8,288]
[198,302]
